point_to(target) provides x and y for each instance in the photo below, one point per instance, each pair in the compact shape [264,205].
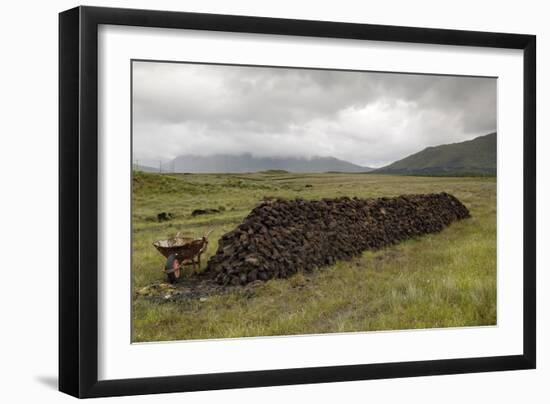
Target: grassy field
[438,280]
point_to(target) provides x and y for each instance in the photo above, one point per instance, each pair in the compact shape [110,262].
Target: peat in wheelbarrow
[187,250]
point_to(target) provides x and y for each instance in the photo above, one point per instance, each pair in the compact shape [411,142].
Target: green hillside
[473,157]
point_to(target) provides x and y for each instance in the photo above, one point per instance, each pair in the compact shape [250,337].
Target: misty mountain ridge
[247,163]
[472,157]
[147,169]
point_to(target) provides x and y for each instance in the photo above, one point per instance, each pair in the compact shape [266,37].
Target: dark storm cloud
[365,118]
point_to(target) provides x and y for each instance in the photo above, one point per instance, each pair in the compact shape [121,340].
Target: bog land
[445,279]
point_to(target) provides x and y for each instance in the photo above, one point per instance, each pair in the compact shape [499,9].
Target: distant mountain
[147,169]
[224,163]
[473,157]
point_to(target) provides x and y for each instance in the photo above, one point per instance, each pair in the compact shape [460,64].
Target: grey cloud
[366,118]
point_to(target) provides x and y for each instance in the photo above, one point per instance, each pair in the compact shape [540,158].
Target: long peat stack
[281,237]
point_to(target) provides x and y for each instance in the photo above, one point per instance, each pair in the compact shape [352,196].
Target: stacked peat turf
[280,237]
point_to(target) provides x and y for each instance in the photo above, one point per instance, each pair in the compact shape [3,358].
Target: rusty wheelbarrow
[187,250]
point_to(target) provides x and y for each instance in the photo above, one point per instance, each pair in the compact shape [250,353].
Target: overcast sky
[370,119]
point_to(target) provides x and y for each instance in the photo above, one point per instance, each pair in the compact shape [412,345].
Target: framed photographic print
[250,201]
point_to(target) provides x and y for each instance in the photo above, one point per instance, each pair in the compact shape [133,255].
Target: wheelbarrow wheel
[172,268]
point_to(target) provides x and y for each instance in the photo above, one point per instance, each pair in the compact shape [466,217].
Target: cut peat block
[281,237]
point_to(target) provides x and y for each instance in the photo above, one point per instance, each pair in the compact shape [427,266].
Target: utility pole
[160,166]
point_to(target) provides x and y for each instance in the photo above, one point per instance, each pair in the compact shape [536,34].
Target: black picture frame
[78,201]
